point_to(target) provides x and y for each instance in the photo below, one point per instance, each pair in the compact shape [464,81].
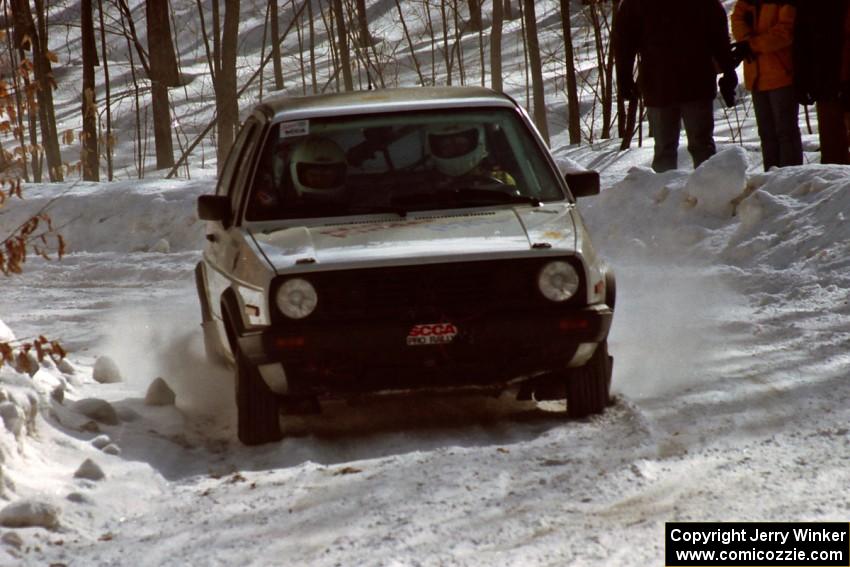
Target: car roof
[381,100]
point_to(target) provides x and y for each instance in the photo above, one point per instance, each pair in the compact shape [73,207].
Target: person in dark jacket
[822,71]
[682,45]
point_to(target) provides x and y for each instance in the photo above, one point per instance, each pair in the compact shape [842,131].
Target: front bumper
[339,358]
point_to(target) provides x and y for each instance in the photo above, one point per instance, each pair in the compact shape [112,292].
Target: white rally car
[400,240]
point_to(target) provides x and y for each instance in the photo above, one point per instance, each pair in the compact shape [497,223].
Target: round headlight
[296,298]
[558,281]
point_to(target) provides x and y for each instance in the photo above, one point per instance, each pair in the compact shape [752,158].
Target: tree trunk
[160,44]
[275,31]
[508,9]
[409,43]
[225,84]
[474,15]
[314,80]
[363,25]
[342,48]
[604,60]
[163,73]
[107,93]
[573,115]
[89,156]
[447,53]
[496,47]
[19,87]
[536,69]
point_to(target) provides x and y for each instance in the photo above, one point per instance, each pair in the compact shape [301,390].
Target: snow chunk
[106,371]
[6,334]
[66,367]
[98,410]
[112,449]
[90,470]
[13,417]
[159,394]
[162,246]
[101,441]
[719,180]
[58,394]
[12,539]
[29,513]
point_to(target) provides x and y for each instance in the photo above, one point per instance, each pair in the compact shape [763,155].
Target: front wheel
[258,419]
[589,387]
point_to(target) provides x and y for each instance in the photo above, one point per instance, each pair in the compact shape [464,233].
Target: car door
[225,239]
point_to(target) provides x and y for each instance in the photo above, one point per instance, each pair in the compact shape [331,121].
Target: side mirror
[214,208]
[583,183]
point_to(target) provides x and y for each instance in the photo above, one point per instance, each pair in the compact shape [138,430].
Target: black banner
[757,544]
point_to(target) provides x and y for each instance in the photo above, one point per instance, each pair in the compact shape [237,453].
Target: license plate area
[425,334]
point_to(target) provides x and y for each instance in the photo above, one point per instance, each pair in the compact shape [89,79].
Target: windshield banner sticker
[295,129]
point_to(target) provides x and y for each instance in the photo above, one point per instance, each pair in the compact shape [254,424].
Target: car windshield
[399,162]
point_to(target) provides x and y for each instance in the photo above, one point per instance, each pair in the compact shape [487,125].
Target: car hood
[473,234]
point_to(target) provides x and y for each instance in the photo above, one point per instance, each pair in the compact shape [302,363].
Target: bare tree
[598,16]
[107,93]
[409,43]
[574,117]
[32,37]
[275,32]
[364,38]
[474,15]
[221,59]
[163,73]
[89,159]
[342,48]
[508,9]
[536,69]
[496,46]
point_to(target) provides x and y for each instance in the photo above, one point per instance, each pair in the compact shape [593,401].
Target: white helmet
[456,148]
[318,168]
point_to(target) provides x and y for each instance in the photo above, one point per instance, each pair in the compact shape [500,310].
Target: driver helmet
[318,168]
[456,149]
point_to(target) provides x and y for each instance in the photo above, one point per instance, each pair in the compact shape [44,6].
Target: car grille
[429,292]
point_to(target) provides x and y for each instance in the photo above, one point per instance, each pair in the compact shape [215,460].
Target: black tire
[589,387]
[258,416]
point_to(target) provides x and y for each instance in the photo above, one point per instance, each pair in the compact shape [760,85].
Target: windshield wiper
[474,196]
[377,209]
[464,197]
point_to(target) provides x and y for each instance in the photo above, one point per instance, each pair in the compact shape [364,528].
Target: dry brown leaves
[18,354]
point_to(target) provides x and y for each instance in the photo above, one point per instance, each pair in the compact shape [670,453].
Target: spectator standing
[682,45]
[764,32]
[822,71]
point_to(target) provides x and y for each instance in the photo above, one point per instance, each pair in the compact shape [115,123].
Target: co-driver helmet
[456,148]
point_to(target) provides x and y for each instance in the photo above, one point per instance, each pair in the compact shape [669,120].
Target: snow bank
[125,216]
[789,217]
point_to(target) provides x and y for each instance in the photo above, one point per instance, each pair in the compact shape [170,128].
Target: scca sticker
[431,334]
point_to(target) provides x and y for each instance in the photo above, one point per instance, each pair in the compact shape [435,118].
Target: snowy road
[731,380]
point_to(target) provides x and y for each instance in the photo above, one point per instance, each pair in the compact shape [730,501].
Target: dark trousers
[832,132]
[666,122]
[778,125]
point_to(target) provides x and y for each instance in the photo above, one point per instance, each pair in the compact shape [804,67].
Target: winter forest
[117,442]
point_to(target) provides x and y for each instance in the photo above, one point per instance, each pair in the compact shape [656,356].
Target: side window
[245,170]
[225,179]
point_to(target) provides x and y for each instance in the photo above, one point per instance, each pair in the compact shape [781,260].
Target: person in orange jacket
[764,35]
